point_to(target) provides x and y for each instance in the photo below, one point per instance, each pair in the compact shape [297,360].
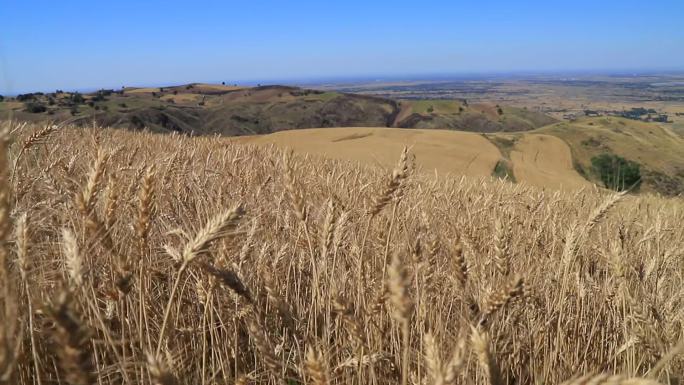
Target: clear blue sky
[76,44]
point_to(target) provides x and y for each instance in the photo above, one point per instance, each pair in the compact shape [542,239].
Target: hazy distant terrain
[555,95]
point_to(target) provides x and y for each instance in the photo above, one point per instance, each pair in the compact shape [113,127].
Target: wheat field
[133,258]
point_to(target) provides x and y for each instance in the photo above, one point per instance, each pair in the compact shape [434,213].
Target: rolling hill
[435,150]
[545,161]
[557,156]
[231,110]
[538,160]
[658,149]
[518,144]
[458,115]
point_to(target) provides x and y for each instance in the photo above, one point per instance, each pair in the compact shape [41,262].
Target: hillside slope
[447,152]
[231,110]
[479,117]
[537,160]
[545,161]
[658,150]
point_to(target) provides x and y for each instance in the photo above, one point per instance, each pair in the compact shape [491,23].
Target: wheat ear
[145,208]
[499,299]
[72,257]
[398,284]
[399,174]
[73,340]
[263,345]
[316,368]
[216,228]
[480,343]
[433,360]
[160,373]
[34,139]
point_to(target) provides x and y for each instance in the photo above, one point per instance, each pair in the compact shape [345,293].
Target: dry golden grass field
[134,258]
[454,152]
[538,160]
[655,146]
[545,161]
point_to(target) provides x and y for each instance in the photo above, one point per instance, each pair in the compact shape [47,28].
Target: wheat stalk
[398,283]
[9,319]
[214,229]
[456,362]
[480,342]
[73,339]
[21,235]
[263,345]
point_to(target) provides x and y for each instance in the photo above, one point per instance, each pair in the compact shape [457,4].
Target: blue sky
[76,44]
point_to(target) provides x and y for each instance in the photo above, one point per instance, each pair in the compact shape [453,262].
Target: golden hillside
[538,160]
[656,147]
[447,152]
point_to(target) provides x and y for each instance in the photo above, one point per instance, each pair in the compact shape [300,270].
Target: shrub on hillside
[77,98]
[616,173]
[35,108]
[99,97]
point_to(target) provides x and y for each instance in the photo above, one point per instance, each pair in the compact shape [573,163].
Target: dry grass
[227,263]
[545,161]
[442,151]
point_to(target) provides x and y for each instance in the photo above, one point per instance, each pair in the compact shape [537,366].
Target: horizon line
[351,79]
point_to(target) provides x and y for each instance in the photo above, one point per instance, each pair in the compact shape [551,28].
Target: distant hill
[458,115]
[232,110]
[533,147]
